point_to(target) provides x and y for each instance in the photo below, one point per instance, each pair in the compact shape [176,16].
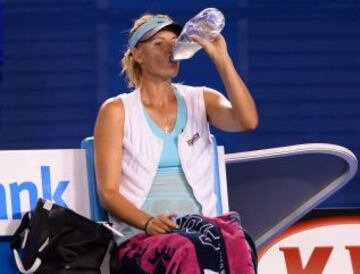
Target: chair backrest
[99,214]
[220,183]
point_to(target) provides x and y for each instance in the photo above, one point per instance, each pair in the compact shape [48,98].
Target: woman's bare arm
[108,149]
[239,112]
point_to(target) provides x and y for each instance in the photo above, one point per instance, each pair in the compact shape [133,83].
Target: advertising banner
[325,244]
[25,175]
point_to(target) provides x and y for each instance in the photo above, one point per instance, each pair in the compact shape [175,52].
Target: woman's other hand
[160,224]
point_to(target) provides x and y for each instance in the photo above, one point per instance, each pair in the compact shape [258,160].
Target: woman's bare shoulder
[112,107]
[110,119]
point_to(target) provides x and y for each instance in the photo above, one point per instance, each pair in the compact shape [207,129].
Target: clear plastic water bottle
[207,24]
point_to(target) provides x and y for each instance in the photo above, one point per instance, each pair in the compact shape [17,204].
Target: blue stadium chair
[97,212]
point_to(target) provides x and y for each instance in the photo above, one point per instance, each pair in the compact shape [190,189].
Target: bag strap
[20,265]
[36,263]
[18,238]
[113,230]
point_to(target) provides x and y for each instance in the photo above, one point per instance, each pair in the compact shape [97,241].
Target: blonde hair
[128,63]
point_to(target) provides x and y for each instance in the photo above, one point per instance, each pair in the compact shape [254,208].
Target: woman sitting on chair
[154,158]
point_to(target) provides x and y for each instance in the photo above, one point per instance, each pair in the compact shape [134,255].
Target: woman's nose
[171,45]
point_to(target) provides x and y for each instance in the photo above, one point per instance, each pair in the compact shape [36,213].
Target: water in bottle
[207,24]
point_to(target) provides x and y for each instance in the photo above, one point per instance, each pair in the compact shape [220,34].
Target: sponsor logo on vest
[193,139]
[16,189]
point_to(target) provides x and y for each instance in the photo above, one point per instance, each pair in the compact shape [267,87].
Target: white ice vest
[142,151]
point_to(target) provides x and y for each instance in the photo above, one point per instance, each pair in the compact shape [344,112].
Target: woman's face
[154,54]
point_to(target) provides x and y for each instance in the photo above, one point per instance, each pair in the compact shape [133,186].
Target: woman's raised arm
[239,112]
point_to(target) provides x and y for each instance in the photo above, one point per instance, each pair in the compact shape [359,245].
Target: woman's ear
[137,55]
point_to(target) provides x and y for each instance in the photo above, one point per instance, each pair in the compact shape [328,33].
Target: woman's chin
[172,72]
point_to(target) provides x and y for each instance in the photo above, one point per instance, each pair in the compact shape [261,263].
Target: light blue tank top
[170,155]
[170,192]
